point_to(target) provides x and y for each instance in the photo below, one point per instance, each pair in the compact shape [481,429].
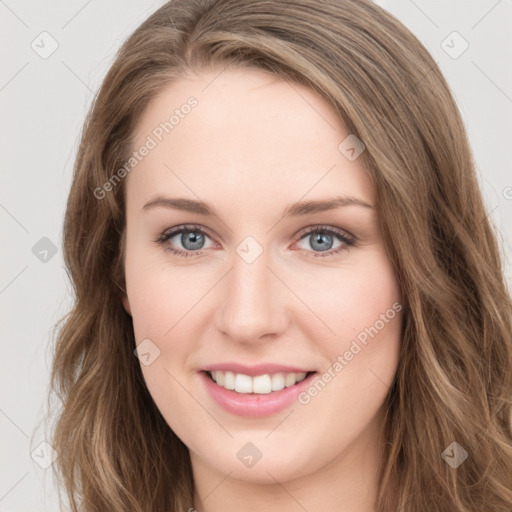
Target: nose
[252,302]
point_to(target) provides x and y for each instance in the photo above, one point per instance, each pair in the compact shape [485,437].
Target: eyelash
[165,236]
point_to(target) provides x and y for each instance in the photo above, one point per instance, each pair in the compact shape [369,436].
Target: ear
[126,304]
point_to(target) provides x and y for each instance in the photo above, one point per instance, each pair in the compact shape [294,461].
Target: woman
[288,293]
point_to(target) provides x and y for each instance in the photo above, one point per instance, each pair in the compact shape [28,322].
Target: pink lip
[257,369]
[254,405]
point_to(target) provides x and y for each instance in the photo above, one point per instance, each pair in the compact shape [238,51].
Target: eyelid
[303,231]
[325,227]
[170,232]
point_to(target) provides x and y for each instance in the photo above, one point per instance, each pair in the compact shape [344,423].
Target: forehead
[249,135]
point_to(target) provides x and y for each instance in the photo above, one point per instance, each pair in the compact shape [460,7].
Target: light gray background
[43,105]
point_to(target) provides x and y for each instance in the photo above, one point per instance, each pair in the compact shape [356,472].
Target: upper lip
[253,370]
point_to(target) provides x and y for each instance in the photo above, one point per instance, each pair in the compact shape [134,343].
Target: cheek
[369,300]
[364,310]
[159,294]
[353,299]
[362,359]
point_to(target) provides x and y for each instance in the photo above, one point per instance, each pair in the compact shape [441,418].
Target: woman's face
[256,291]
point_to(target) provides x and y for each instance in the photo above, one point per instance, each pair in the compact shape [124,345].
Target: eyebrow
[294,210]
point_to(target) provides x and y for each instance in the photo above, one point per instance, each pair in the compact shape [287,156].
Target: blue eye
[193,238]
[321,240]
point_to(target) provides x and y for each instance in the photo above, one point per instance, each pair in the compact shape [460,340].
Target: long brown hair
[454,381]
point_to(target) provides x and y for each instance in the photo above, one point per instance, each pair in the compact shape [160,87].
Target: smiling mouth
[259,384]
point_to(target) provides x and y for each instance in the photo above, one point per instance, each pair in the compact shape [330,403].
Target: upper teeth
[260,384]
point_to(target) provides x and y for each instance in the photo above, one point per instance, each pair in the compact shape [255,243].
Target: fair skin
[251,147]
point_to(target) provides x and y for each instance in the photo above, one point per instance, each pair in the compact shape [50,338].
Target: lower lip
[252,404]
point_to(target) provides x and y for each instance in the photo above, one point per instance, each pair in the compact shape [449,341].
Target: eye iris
[320,238]
[196,239]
